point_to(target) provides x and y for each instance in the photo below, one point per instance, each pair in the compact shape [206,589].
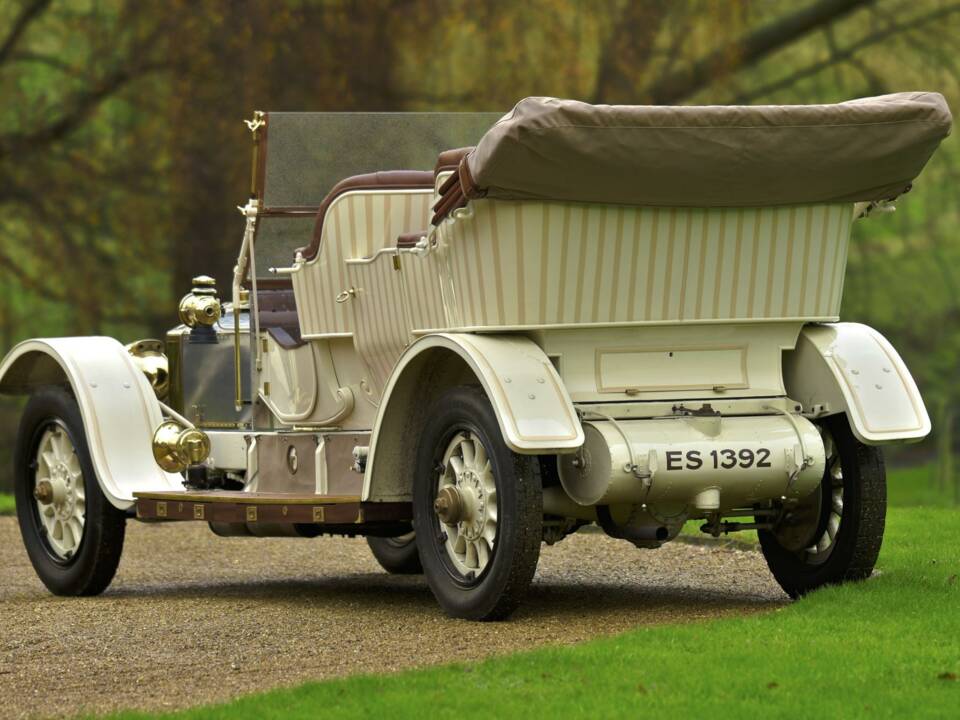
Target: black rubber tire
[502,585]
[860,534]
[93,566]
[396,556]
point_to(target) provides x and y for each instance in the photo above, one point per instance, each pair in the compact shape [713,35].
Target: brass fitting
[175,447]
[44,492]
[201,306]
[448,506]
[148,356]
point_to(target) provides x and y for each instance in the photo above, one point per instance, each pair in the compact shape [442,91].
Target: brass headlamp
[175,447]
[201,306]
[148,356]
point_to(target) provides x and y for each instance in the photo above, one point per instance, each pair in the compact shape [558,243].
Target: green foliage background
[122,154]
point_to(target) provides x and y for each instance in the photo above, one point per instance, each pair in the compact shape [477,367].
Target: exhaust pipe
[648,535]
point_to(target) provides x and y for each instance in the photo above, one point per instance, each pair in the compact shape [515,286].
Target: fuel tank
[709,463]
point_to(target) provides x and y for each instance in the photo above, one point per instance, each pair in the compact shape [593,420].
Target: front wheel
[834,536]
[477,509]
[73,535]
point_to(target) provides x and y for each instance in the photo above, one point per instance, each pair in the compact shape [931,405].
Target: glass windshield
[306,154]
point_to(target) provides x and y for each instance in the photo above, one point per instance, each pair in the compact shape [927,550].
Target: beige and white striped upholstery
[533,264]
[356,225]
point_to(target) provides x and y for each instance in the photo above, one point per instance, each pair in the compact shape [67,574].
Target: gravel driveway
[192,618]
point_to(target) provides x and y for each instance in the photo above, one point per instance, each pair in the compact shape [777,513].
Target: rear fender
[119,410]
[532,406]
[851,368]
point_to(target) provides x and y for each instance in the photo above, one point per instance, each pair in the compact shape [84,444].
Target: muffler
[708,462]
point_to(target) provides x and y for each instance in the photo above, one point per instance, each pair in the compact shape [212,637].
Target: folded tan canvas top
[709,156]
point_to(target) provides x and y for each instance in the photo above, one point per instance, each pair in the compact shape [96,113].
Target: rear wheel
[397,555]
[478,509]
[834,536]
[73,535]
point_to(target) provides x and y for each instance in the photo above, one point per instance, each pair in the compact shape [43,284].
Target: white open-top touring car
[618,315]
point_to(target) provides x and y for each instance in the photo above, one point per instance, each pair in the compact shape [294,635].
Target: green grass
[917,486]
[889,647]
[7,505]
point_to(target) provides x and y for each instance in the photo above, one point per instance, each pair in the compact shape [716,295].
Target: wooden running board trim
[268,508]
[247,498]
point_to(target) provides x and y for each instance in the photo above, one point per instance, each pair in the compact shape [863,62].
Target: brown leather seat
[390,179]
[450,159]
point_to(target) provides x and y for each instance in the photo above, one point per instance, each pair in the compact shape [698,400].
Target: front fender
[117,404]
[852,368]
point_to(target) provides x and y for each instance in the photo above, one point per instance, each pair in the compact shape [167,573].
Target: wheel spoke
[466,450]
[49,459]
[836,471]
[76,530]
[481,461]
[833,525]
[69,540]
[483,553]
[490,533]
[473,557]
[837,504]
[824,543]
[488,482]
[61,445]
[457,465]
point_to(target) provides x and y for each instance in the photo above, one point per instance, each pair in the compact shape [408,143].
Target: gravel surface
[192,618]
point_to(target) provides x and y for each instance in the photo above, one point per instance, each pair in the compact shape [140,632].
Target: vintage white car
[620,315]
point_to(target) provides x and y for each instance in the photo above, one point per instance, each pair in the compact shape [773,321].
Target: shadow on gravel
[405,595]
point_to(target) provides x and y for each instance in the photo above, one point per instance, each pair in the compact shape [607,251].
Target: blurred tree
[79,159]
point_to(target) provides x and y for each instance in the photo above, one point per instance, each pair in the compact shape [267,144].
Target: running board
[253,507]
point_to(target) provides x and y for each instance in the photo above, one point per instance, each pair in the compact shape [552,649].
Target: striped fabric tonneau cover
[521,264]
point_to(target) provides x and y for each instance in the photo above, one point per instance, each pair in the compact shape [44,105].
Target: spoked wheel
[397,555]
[478,510]
[58,491]
[466,504]
[835,534]
[72,534]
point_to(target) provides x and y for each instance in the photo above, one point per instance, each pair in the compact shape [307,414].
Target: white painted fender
[851,368]
[117,404]
[535,413]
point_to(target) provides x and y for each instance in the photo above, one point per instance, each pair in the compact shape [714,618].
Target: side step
[253,507]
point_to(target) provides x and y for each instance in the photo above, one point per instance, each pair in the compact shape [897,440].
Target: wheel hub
[448,505]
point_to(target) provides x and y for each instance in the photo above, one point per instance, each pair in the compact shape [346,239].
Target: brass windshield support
[259,120]
[241,296]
